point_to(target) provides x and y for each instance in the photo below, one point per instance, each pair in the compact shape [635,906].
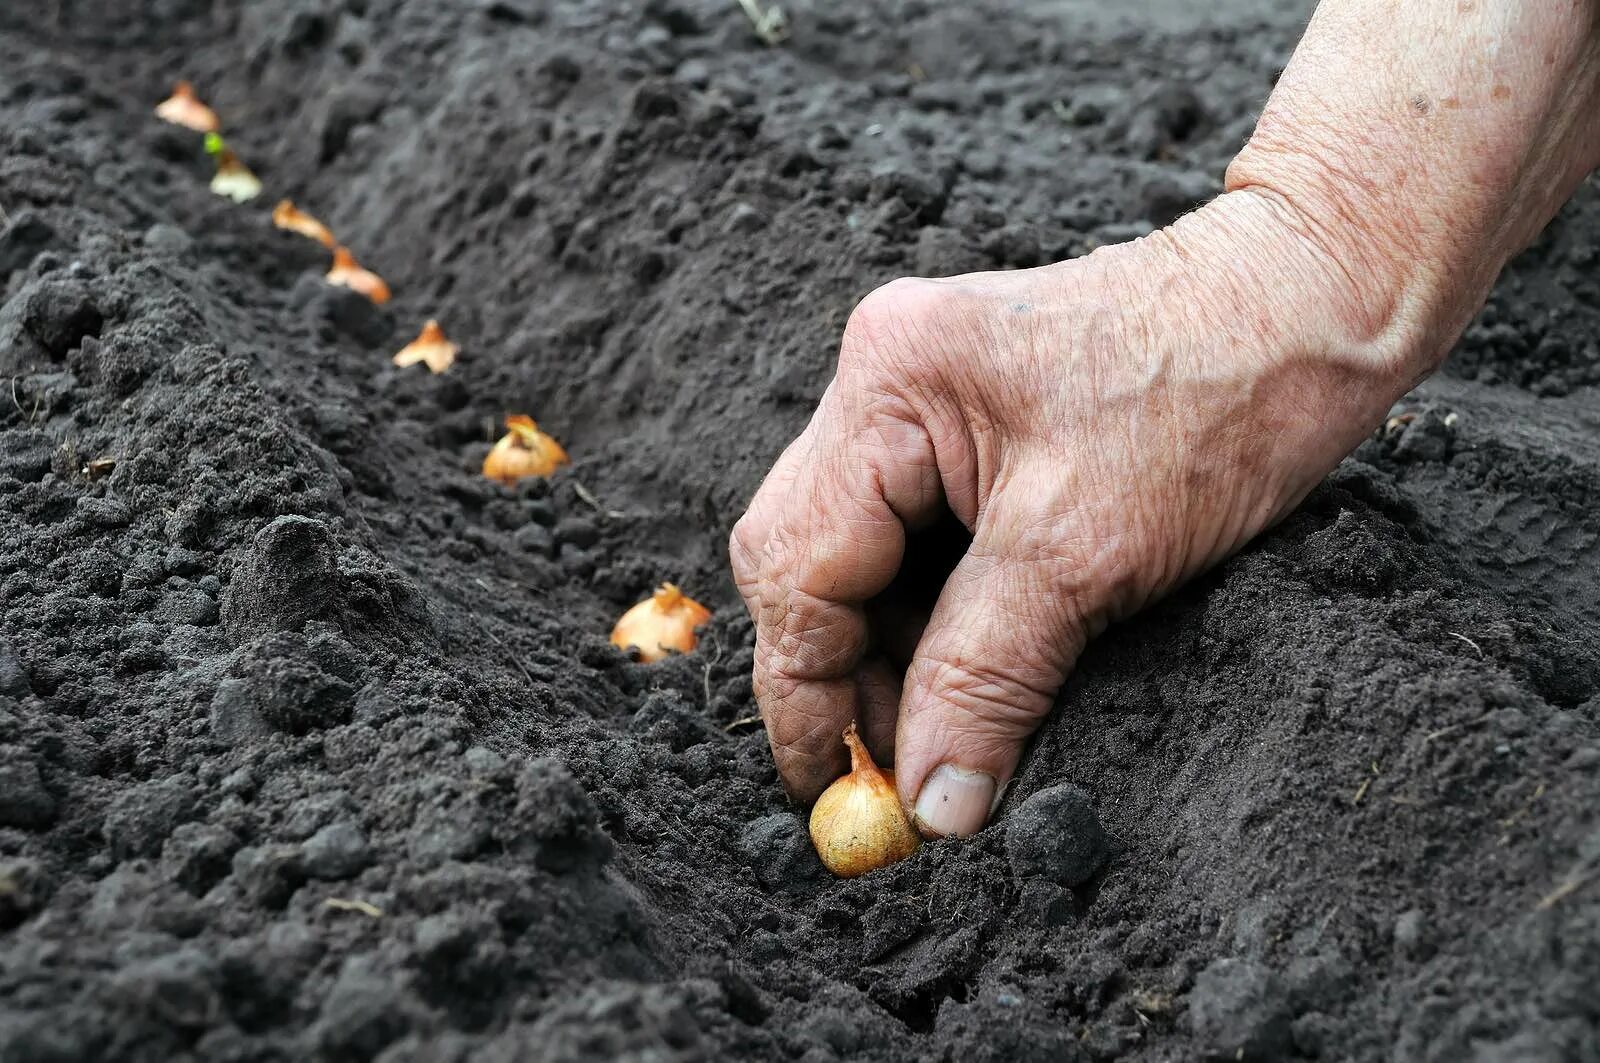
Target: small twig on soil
[1361,791]
[588,496]
[771,25]
[710,663]
[1511,820]
[1322,927]
[1573,883]
[339,904]
[1469,642]
[31,416]
[1441,732]
[743,721]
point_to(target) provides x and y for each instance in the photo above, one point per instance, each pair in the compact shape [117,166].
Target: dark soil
[311,742]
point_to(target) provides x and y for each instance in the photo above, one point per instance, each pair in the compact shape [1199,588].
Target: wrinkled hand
[1104,428]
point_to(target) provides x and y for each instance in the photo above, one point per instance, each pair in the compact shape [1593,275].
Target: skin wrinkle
[815,638]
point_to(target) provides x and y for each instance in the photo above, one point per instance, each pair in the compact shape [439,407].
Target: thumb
[1002,637]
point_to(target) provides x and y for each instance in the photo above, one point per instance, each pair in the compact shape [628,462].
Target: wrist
[1310,291]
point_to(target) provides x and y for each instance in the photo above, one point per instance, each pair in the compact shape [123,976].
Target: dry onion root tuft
[184,108]
[288,216]
[522,452]
[661,623]
[429,347]
[347,272]
[857,824]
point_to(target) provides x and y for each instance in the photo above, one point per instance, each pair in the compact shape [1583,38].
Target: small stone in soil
[534,539]
[779,850]
[1055,835]
[578,531]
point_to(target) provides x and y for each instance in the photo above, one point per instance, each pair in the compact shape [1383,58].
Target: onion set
[348,273]
[233,178]
[184,108]
[662,623]
[290,217]
[430,347]
[857,824]
[522,452]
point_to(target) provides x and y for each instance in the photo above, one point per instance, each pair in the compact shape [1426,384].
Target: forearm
[1421,143]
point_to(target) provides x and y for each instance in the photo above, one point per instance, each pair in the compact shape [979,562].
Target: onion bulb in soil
[233,178]
[663,622]
[288,216]
[184,108]
[857,824]
[429,347]
[522,452]
[347,272]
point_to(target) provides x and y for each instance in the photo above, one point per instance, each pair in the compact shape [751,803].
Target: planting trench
[312,744]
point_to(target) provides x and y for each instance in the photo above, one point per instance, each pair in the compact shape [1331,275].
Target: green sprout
[214,144]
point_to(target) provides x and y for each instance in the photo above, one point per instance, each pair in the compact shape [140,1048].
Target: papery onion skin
[184,108]
[288,216]
[660,624]
[522,452]
[430,347]
[348,273]
[858,825]
[234,179]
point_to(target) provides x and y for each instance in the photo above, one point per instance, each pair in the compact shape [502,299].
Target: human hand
[1104,428]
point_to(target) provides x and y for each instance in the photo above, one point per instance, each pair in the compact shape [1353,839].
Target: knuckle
[893,318]
[986,699]
[808,638]
[798,732]
[744,551]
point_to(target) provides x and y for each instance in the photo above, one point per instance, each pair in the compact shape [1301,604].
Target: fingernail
[954,802]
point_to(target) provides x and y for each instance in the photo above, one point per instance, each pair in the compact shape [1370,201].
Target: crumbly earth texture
[312,746]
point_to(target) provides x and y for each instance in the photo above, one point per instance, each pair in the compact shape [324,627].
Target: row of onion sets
[662,624]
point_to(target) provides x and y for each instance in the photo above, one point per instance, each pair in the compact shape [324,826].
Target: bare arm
[1425,142]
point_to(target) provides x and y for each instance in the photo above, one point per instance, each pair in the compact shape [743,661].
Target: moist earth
[312,745]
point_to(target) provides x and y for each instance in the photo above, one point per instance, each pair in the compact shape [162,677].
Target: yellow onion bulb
[522,452]
[662,623]
[430,347]
[288,216]
[184,108]
[233,178]
[348,273]
[857,824]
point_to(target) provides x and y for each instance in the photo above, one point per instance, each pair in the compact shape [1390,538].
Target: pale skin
[1108,427]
